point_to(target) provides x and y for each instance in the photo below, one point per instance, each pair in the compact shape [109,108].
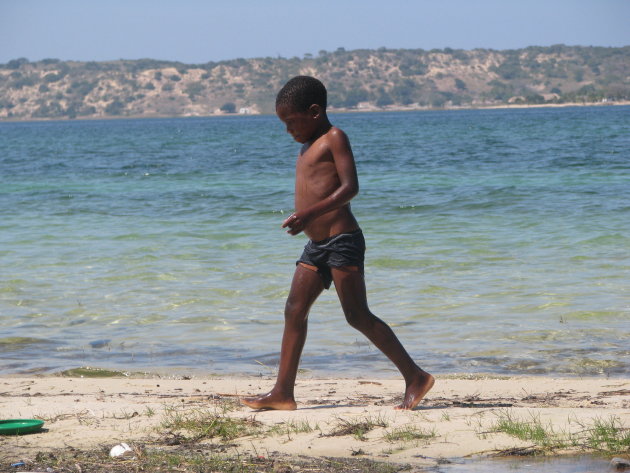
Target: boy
[325,182]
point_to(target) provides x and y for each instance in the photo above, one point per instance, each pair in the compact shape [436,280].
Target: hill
[357,79]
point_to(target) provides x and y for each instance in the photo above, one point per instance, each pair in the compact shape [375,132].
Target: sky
[200,31]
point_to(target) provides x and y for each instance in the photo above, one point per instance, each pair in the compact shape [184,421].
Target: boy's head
[301,105]
[300,93]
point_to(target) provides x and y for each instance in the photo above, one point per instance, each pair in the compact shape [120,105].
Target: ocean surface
[498,242]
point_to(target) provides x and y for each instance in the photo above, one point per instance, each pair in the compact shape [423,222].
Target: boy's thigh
[306,286]
[322,270]
[350,287]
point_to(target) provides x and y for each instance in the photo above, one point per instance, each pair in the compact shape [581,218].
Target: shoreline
[331,110]
[461,417]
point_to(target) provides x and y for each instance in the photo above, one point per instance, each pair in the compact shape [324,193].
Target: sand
[457,419]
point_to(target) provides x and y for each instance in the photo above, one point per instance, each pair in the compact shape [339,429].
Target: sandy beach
[461,417]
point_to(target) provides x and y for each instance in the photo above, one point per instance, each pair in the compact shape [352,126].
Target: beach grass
[608,436]
[358,428]
[532,430]
[198,424]
[293,427]
[409,433]
[604,436]
[187,460]
[201,439]
[87,372]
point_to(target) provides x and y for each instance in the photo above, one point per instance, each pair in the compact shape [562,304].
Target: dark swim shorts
[345,249]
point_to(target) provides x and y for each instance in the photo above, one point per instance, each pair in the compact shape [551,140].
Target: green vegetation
[161,460]
[229,107]
[200,424]
[202,439]
[532,431]
[606,436]
[194,89]
[357,427]
[292,428]
[409,433]
[92,373]
[382,78]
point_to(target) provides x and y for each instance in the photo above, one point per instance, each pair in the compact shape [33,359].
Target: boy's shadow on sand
[430,406]
[337,406]
[468,405]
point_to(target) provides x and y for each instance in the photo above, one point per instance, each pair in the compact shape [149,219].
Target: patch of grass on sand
[87,372]
[357,427]
[199,424]
[532,431]
[182,460]
[293,427]
[409,433]
[607,436]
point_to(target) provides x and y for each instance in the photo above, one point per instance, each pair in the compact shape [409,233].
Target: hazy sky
[198,31]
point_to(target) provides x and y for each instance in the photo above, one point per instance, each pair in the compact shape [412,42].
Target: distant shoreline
[483,107]
[332,111]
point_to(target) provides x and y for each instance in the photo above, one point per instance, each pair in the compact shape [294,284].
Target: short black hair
[301,92]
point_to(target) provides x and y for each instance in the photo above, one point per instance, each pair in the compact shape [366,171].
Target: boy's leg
[307,285]
[350,286]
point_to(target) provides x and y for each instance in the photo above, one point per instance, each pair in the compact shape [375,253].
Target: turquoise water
[498,241]
[535,464]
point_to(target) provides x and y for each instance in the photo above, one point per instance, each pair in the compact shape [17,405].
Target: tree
[17,63]
[52,77]
[384,99]
[228,107]
[404,92]
[193,89]
[501,90]
[354,96]
[115,108]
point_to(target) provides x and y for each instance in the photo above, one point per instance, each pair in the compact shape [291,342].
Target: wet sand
[457,419]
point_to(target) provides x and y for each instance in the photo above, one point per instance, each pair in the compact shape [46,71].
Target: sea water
[498,242]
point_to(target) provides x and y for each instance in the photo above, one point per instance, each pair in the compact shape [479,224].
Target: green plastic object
[20,426]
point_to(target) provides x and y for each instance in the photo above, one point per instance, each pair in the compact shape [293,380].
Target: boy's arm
[348,184]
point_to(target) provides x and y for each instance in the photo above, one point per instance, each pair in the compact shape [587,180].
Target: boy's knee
[295,312]
[359,320]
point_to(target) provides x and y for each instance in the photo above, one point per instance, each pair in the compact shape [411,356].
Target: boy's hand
[295,223]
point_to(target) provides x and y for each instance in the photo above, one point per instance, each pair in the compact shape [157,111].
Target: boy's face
[302,126]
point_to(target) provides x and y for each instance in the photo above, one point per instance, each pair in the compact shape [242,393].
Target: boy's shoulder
[334,141]
[336,137]
[336,132]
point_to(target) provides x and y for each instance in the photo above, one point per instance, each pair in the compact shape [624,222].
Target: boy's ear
[315,110]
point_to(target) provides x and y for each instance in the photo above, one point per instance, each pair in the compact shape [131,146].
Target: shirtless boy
[325,182]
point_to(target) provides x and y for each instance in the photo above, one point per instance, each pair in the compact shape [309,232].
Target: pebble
[620,463]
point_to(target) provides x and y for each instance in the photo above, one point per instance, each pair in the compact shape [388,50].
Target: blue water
[535,464]
[498,241]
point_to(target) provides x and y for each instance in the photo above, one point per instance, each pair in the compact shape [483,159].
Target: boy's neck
[323,127]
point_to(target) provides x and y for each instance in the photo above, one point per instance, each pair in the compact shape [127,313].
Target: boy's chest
[314,160]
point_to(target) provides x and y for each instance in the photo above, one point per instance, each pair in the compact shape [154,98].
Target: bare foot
[270,401]
[416,390]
